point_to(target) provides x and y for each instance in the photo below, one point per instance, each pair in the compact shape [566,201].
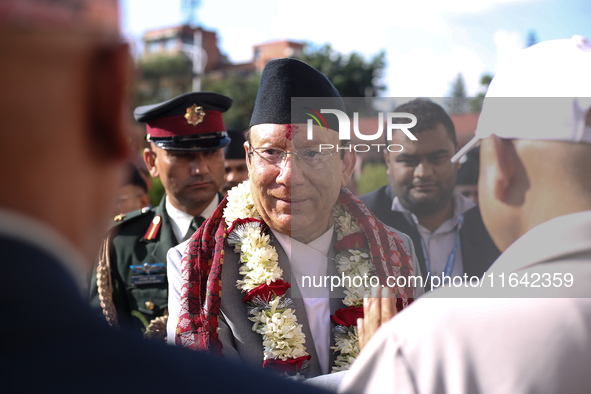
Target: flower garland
[283,339]
[270,309]
[357,272]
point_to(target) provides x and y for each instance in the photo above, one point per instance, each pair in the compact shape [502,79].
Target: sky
[427,43]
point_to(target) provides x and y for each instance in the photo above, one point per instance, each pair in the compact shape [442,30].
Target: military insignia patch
[119,217]
[194,115]
[147,268]
[153,229]
[148,279]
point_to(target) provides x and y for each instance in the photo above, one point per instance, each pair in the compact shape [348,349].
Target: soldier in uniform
[187,136]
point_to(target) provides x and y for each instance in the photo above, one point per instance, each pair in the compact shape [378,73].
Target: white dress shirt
[182,220]
[440,243]
[311,260]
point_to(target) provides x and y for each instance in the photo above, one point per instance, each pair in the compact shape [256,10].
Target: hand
[376,311]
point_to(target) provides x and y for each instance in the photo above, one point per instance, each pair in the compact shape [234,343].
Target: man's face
[422,175]
[131,197]
[293,197]
[191,179]
[236,172]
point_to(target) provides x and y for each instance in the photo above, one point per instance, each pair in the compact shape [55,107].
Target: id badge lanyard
[451,260]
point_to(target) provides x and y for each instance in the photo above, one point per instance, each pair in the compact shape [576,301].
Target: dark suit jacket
[235,330]
[51,342]
[478,249]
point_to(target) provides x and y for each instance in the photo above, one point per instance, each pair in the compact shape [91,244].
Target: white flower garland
[347,343]
[282,335]
[351,263]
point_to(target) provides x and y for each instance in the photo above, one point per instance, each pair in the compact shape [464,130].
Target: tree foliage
[162,77]
[457,103]
[242,88]
[476,103]
[351,74]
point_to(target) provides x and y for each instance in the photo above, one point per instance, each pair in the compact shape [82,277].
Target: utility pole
[198,58]
[189,9]
[194,52]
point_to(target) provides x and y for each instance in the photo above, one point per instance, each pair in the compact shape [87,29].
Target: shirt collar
[461,205]
[321,244]
[32,231]
[567,234]
[182,220]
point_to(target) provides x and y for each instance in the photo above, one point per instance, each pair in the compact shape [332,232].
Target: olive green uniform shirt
[138,300]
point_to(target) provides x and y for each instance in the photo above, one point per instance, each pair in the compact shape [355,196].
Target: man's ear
[111,76]
[387,161]
[150,160]
[349,161]
[247,156]
[504,167]
[144,200]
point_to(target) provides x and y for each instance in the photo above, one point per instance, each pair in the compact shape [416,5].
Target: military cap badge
[194,115]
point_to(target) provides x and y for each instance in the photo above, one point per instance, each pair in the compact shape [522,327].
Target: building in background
[262,53]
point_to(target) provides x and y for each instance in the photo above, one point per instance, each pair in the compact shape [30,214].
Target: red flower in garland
[352,241]
[347,316]
[266,291]
[290,366]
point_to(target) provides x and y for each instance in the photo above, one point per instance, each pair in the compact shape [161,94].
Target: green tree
[162,77]
[351,74]
[457,103]
[242,88]
[476,102]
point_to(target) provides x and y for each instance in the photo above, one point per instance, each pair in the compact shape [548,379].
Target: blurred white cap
[544,93]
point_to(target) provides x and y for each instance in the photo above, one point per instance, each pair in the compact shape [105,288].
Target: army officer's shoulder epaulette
[131,217]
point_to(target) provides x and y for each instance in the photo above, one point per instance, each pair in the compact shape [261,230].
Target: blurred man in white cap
[535,196]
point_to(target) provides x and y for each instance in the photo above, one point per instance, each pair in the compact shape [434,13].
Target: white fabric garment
[30,230]
[440,243]
[181,220]
[455,341]
[173,273]
[311,260]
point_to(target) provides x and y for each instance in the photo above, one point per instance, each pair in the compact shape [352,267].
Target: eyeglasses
[126,197]
[311,157]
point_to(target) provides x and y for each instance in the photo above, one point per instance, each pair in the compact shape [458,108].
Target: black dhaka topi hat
[283,79]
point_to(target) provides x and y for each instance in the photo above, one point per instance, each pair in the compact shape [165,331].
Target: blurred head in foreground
[535,139]
[62,107]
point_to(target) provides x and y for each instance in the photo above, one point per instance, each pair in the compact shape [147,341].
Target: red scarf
[201,271]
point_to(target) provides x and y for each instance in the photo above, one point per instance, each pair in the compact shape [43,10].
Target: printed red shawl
[201,271]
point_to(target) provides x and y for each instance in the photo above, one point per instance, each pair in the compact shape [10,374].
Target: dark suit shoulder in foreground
[52,342]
